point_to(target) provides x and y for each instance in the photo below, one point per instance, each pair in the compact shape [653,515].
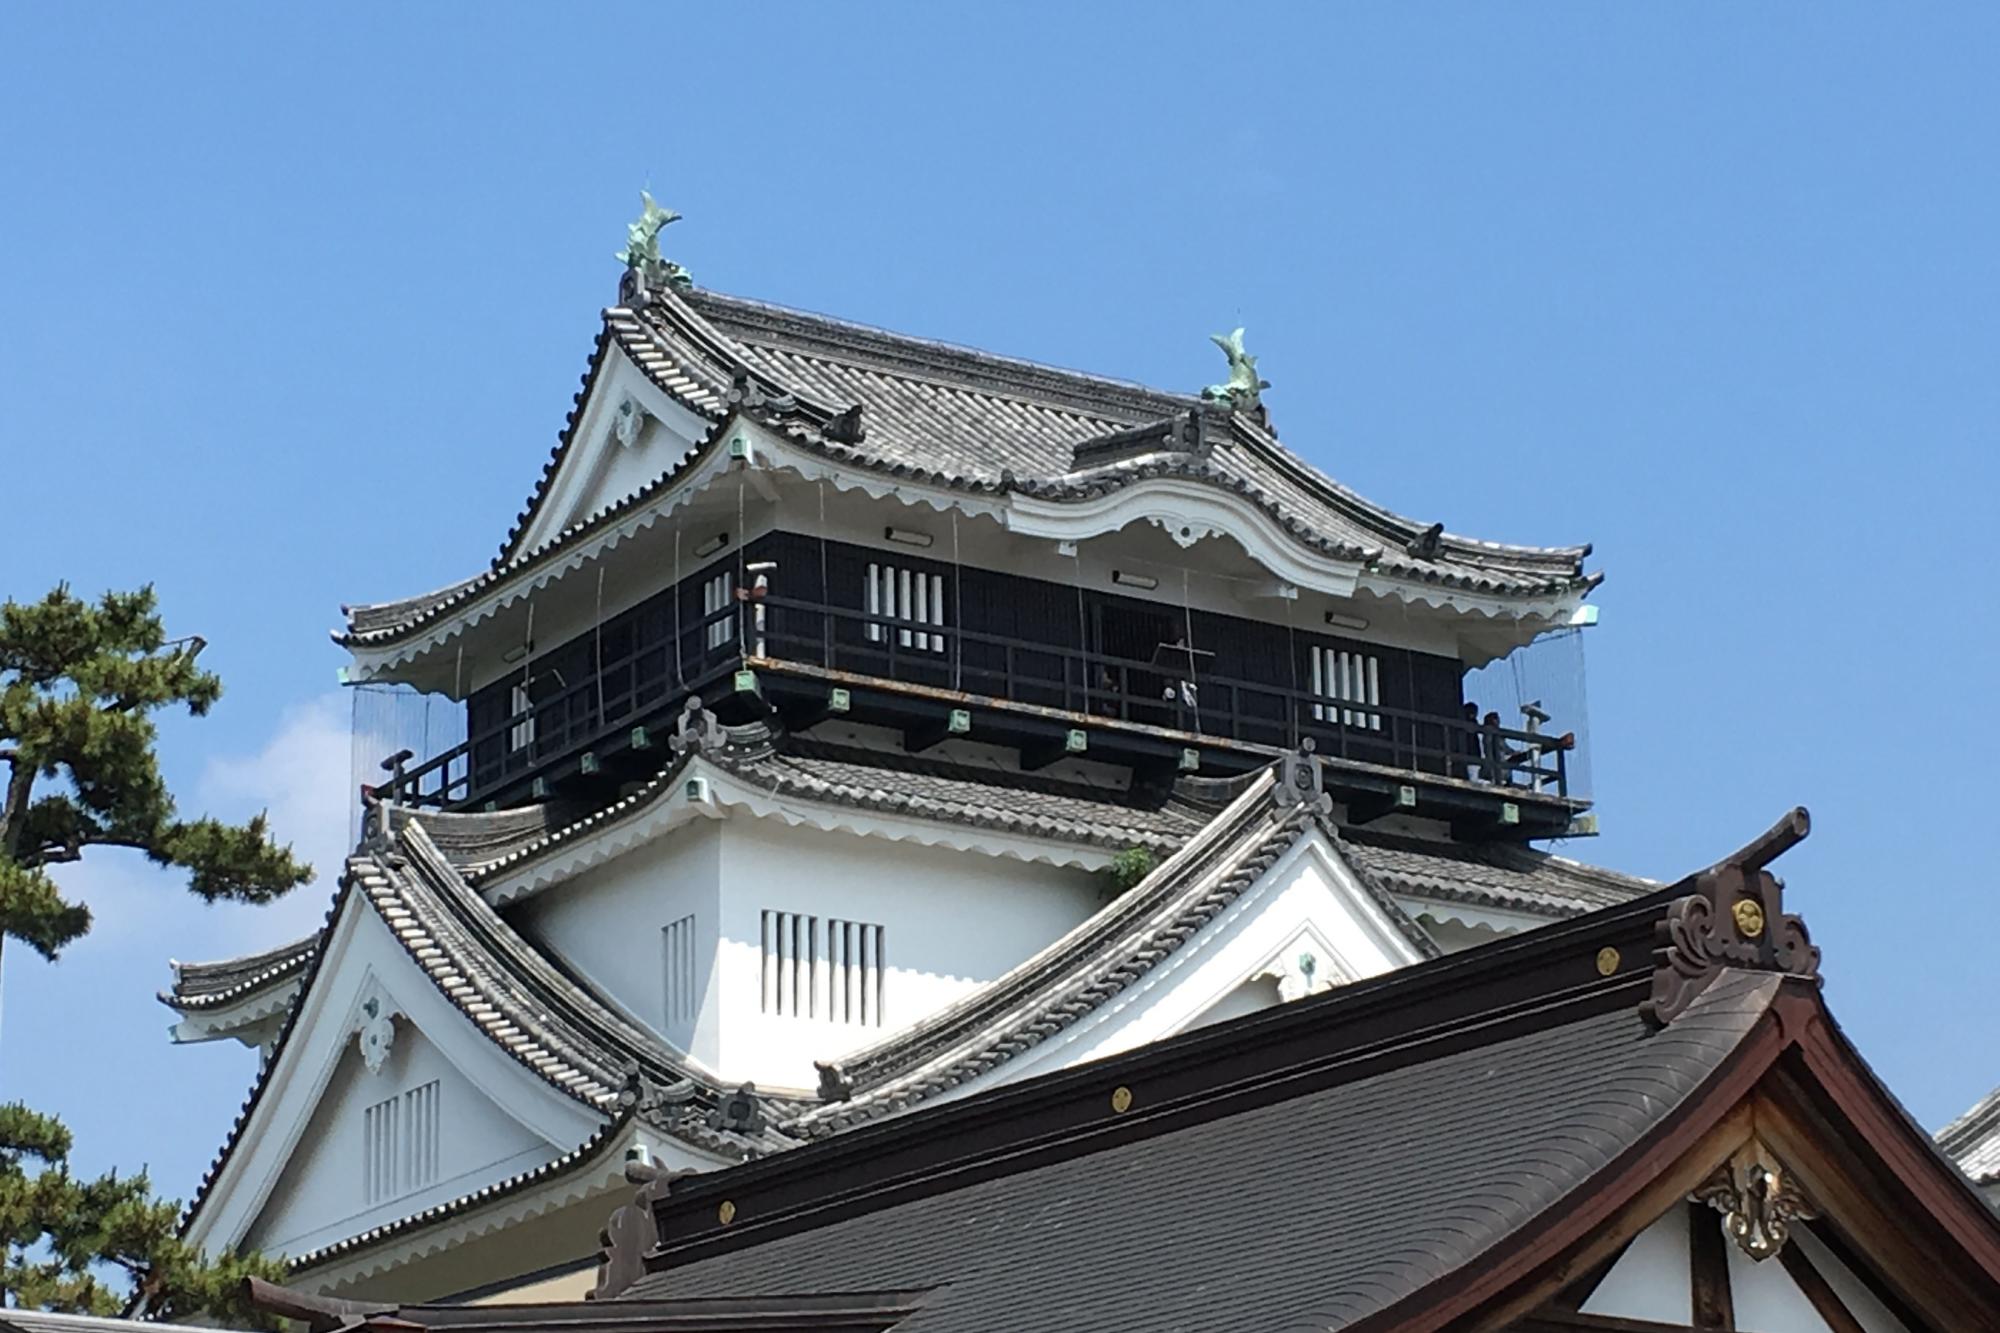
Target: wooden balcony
[1161,715]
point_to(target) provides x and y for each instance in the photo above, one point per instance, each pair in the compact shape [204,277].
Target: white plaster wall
[954,921]
[608,924]
[319,1197]
[1651,1279]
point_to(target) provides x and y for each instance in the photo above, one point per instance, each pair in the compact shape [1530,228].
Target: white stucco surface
[951,921]
[320,1196]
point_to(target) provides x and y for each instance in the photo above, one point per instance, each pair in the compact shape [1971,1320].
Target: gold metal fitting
[1749,917]
[1607,961]
[726,1213]
[1121,1100]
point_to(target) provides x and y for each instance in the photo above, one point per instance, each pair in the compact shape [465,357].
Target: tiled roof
[1083,970]
[225,981]
[1973,1140]
[1327,1202]
[971,419]
[1020,804]
[1008,801]
[1500,875]
[472,838]
[543,1017]
[581,1156]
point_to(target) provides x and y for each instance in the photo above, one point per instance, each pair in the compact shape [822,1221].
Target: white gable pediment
[369,1003]
[397,1130]
[628,434]
[1307,924]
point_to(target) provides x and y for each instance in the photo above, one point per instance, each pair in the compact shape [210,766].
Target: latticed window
[400,1137]
[854,972]
[1350,678]
[717,593]
[832,969]
[905,594]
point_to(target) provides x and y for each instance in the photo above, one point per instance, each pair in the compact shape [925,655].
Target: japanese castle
[855,732]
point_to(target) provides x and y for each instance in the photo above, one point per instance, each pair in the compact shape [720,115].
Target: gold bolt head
[726,1213]
[1607,961]
[1749,917]
[1121,1100]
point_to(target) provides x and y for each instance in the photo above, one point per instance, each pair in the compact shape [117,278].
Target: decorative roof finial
[1733,916]
[1244,389]
[644,269]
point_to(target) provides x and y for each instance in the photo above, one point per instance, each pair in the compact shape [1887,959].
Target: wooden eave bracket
[1732,916]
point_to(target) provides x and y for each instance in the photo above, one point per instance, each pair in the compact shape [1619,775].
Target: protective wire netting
[1546,675]
[389,718]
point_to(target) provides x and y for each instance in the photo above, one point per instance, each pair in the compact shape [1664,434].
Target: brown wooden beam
[1817,1290]
[1708,1269]
[1558,1321]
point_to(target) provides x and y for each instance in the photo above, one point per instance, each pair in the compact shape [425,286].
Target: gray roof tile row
[1501,875]
[225,981]
[1973,1140]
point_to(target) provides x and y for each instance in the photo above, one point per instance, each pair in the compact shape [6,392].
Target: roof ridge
[892,350]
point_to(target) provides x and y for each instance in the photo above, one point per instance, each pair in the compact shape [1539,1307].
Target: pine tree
[79,683]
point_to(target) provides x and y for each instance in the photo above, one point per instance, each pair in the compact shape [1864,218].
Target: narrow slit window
[378,1147]
[816,969]
[522,734]
[420,1121]
[717,594]
[854,966]
[679,986]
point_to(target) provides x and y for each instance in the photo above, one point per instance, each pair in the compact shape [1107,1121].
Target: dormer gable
[625,433]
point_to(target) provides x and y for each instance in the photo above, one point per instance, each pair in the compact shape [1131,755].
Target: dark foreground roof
[1399,1154]
[1345,1200]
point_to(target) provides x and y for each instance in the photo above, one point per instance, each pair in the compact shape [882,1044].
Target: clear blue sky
[293,300]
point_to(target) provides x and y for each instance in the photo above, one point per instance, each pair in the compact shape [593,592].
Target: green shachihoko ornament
[641,255]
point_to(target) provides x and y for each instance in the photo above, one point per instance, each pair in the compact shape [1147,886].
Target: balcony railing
[629,702]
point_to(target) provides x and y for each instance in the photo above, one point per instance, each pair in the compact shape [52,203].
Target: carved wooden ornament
[1758,1201]
[1733,917]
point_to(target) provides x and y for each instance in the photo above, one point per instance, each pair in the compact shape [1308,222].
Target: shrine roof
[1356,1204]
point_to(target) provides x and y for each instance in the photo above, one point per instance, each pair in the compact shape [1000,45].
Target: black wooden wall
[1032,633]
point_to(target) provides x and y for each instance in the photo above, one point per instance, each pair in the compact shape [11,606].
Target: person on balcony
[1497,760]
[1464,745]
